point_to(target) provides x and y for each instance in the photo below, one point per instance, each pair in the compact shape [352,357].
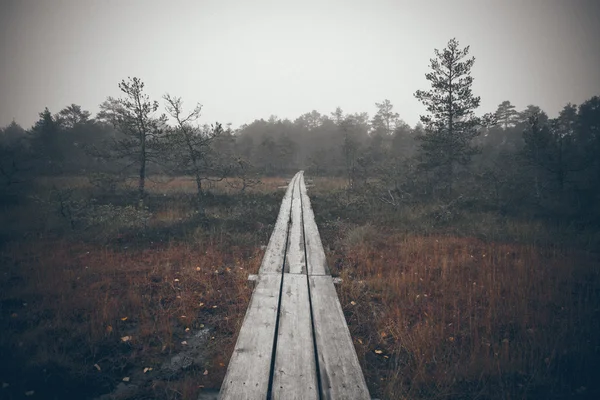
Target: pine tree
[451,124]
[385,120]
[506,114]
[142,133]
[46,142]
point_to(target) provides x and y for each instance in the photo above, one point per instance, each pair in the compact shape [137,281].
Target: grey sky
[249,59]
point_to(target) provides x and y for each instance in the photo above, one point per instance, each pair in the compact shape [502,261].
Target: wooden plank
[316,261]
[295,373]
[340,373]
[295,262]
[248,373]
[272,262]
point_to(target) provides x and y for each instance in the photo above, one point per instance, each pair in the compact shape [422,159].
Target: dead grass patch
[444,317]
[71,304]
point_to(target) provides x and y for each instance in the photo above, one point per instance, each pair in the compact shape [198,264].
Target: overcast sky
[249,59]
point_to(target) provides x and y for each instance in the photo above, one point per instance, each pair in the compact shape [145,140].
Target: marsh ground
[477,306]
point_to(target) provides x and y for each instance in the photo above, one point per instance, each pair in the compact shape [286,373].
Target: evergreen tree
[506,114]
[451,124]
[385,120]
[45,142]
[142,133]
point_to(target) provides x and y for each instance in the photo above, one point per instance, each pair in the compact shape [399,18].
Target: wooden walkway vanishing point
[294,342]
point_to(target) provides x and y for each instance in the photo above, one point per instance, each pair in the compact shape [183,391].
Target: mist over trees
[514,162]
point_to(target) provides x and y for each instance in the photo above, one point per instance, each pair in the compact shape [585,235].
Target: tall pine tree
[506,114]
[451,124]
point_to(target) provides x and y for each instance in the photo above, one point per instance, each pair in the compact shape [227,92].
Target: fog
[246,60]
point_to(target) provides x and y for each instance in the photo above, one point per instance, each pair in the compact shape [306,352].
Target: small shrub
[110,218]
[106,183]
[360,235]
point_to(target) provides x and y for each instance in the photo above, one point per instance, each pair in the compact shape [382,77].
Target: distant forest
[513,161]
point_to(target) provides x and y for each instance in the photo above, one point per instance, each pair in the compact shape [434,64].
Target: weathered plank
[249,368]
[274,255]
[302,311]
[295,374]
[340,373]
[295,262]
[316,261]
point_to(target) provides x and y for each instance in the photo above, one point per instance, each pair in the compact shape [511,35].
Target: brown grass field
[434,314]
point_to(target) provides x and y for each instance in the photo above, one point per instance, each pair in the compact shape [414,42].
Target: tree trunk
[142,179]
[450,179]
[199,205]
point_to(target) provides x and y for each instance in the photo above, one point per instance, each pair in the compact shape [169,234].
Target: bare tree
[247,177]
[141,138]
[192,148]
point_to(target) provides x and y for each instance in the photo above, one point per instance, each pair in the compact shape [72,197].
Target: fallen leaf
[126,338]
[201,304]
[383,334]
[201,326]
[146,369]
[221,364]
[109,329]
[215,306]
[97,367]
[176,280]
[360,341]
[126,379]
[353,303]
[205,372]
[378,352]
[184,343]
[187,329]
[197,268]
[124,319]
[183,316]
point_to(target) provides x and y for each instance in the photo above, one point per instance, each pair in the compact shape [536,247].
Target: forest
[468,244]
[518,162]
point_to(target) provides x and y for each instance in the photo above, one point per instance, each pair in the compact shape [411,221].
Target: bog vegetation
[467,244]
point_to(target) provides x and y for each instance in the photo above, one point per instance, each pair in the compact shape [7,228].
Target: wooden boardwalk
[294,342]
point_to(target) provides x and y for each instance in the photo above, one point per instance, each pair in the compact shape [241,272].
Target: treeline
[512,161]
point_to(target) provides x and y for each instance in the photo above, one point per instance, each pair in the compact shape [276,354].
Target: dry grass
[69,304]
[163,184]
[433,316]
[443,317]
[326,185]
[67,298]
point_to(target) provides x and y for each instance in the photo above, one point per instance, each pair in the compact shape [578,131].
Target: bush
[82,214]
[360,235]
